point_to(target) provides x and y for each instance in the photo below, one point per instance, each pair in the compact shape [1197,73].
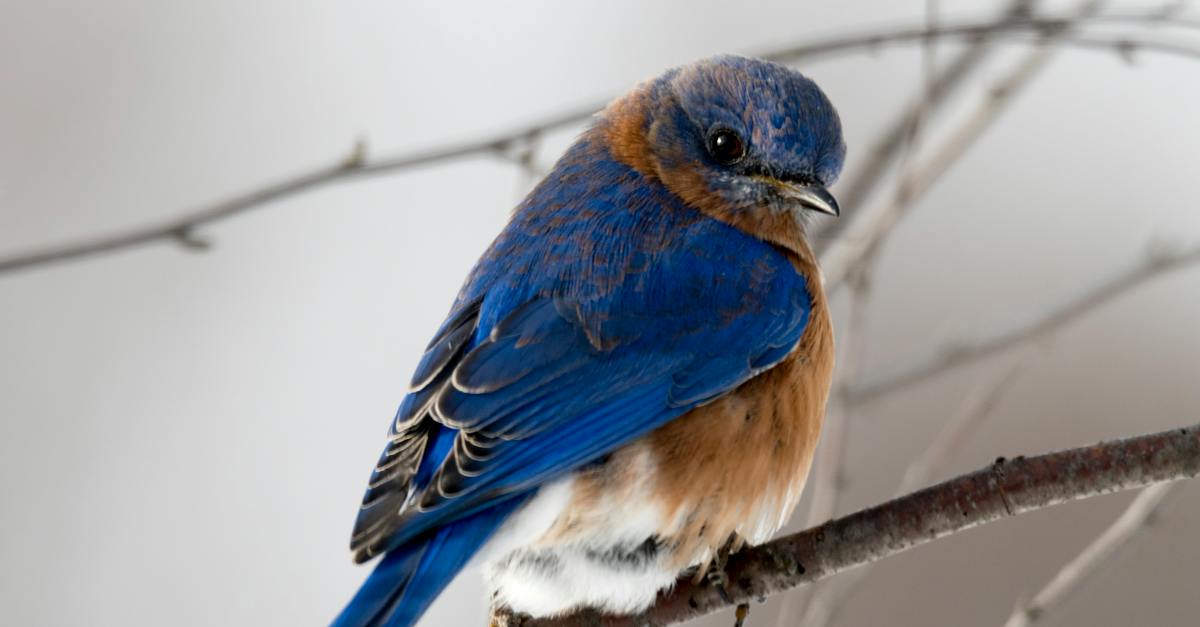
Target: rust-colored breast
[738,465]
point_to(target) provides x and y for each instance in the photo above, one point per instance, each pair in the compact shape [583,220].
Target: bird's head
[742,139]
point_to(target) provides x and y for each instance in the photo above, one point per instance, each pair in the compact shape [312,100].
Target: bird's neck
[625,127]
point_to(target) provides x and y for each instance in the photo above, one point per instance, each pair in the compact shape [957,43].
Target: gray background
[184,437]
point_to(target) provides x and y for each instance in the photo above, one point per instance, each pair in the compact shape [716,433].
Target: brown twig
[871,226]
[1005,488]
[975,409]
[1136,518]
[1157,263]
[828,477]
[831,476]
[828,473]
[937,91]
[181,228]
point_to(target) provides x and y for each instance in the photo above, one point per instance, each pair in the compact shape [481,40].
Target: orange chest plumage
[739,464]
[733,468]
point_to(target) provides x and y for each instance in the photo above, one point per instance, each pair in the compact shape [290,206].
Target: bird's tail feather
[408,578]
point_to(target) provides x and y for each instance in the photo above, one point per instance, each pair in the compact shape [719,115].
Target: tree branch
[831,476]
[871,226]
[1002,489]
[958,354]
[975,409]
[181,229]
[866,178]
[1075,573]
[829,472]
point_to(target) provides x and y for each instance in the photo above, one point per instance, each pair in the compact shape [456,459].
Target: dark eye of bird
[725,146]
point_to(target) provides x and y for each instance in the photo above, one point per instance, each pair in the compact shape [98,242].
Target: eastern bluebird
[635,372]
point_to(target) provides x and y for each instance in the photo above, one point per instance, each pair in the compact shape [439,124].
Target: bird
[633,376]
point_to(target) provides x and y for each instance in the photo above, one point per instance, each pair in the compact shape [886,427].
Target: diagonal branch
[872,226]
[1005,488]
[181,229]
[959,354]
[1074,574]
[937,91]
[829,471]
[830,475]
[975,409]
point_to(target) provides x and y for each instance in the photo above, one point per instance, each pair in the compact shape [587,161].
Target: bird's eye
[725,146]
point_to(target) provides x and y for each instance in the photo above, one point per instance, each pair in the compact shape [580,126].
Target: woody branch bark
[1135,519]
[1003,489]
[823,608]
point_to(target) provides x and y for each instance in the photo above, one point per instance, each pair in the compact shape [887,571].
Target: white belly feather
[607,564]
[609,558]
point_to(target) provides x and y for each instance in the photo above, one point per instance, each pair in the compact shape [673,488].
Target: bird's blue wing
[557,381]
[604,310]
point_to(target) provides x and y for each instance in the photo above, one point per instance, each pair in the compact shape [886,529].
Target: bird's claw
[743,610]
[718,579]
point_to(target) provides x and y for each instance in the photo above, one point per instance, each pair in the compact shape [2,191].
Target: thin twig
[874,39]
[1127,46]
[1137,517]
[832,475]
[976,408]
[828,477]
[961,353]
[829,470]
[181,228]
[870,175]
[980,404]
[871,226]
[1005,488]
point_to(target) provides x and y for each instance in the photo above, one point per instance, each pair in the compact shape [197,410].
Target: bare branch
[1129,46]
[829,475]
[347,169]
[971,30]
[1137,517]
[1005,488]
[954,434]
[937,91]
[871,226]
[958,354]
[181,229]
[976,408]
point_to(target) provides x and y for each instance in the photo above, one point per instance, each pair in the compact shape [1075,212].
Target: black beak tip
[823,201]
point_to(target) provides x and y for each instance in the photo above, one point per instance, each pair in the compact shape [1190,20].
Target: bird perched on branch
[634,374]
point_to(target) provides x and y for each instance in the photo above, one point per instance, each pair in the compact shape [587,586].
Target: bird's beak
[813,196]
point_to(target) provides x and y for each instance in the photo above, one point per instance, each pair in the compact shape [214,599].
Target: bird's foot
[739,615]
[718,579]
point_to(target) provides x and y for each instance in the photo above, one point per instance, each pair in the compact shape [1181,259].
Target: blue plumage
[407,580]
[607,307]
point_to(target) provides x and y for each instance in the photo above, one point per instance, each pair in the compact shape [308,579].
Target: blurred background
[185,435]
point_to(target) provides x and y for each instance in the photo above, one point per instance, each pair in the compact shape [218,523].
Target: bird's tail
[408,578]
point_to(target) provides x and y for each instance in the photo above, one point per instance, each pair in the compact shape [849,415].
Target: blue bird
[634,374]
